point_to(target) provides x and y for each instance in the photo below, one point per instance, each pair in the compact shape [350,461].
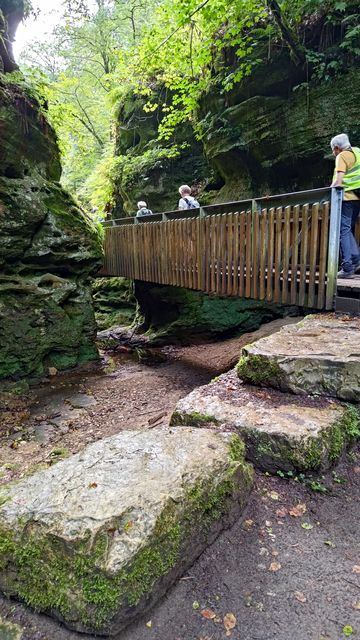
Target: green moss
[192,419]
[258,370]
[48,576]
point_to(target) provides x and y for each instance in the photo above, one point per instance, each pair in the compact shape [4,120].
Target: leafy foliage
[169,55]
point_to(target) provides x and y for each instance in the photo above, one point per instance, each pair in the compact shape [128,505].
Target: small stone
[81,401]
[9,631]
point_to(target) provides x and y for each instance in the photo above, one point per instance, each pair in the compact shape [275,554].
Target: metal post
[333,246]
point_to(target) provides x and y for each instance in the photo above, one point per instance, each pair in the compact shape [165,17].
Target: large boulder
[280,431]
[48,246]
[319,356]
[98,538]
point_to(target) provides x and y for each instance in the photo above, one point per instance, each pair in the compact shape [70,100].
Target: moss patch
[192,419]
[257,370]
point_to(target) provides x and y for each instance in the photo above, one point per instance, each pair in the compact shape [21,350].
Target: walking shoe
[345,274]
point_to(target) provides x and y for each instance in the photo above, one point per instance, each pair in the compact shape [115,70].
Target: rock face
[148,171]
[280,431]
[180,314]
[114,302]
[319,356]
[48,247]
[99,537]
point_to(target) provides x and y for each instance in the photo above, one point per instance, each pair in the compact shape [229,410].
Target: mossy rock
[173,313]
[317,356]
[49,248]
[97,539]
[280,431]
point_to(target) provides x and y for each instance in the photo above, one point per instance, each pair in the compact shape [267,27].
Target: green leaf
[347,630]
[307,526]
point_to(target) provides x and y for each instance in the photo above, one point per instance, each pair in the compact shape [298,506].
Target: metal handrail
[255,204]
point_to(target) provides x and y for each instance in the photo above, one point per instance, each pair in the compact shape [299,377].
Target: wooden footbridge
[282,249]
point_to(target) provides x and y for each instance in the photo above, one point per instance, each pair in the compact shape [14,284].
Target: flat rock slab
[319,356]
[280,431]
[98,538]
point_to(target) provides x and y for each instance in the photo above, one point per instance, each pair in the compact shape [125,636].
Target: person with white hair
[142,209]
[187,201]
[347,176]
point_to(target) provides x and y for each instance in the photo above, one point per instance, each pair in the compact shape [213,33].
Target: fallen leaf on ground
[298,510]
[307,526]
[281,513]
[274,495]
[300,596]
[247,524]
[229,623]
[196,604]
[356,568]
[356,605]
[92,485]
[330,544]
[347,630]
[275,566]
[208,614]
[149,624]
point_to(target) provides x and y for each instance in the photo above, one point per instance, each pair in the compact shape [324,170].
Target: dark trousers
[350,253]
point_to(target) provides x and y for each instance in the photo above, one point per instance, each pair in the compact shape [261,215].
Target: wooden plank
[262,251]
[207,287]
[303,253]
[213,254]
[248,257]
[173,235]
[324,237]
[313,253]
[242,253]
[236,261]
[218,253]
[270,255]
[255,255]
[286,256]
[230,254]
[278,246]
[294,254]
[224,252]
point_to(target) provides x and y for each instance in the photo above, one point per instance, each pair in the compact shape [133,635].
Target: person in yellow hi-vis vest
[347,175]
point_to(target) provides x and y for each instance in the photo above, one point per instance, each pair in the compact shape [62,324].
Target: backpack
[192,205]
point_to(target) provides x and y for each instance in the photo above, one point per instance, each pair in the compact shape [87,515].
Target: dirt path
[283,576]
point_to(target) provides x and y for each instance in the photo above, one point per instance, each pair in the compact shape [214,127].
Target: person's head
[184,190]
[141,204]
[340,143]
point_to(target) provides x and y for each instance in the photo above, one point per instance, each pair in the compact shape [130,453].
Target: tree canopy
[170,54]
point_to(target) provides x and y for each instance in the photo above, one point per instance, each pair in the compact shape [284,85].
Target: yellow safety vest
[351,178]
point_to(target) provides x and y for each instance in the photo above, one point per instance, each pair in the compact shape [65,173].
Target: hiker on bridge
[142,209]
[347,175]
[187,201]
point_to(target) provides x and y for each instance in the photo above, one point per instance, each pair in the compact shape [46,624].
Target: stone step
[280,431]
[319,356]
[96,539]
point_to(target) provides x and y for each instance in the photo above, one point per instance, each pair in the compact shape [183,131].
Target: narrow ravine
[289,557]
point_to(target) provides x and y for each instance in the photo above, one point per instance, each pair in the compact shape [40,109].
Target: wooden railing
[285,254]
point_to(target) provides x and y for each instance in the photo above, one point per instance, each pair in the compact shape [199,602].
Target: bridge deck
[285,254]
